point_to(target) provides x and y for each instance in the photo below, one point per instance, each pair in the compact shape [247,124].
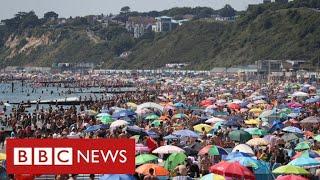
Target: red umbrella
[206,103]
[232,169]
[291,177]
[234,106]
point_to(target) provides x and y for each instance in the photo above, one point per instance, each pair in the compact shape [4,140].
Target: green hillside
[270,31]
[279,34]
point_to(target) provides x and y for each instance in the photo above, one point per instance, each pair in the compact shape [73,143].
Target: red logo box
[70,156]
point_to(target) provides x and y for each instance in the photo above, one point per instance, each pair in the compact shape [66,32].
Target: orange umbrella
[234,106]
[158,170]
[308,134]
[165,118]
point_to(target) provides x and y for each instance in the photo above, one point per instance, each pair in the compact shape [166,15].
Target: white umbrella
[300,94]
[243,148]
[214,120]
[118,123]
[168,149]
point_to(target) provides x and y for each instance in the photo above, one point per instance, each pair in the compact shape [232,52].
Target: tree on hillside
[51,14]
[227,11]
[125,10]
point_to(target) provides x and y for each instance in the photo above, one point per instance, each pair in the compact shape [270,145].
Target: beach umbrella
[180,116]
[200,127]
[244,148]
[179,105]
[214,120]
[118,123]
[103,114]
[3,156]
[257,142]
[217,125]
[132,105]
[156,123]
[291,177]
[305,161]
[232,169]
[236,154]
[92,128]
[158,170]
[292,129]
[136,130]
[300,94]
[174,160]
[152,117]
[317,138]
[256,131]
[252,121]
[240,136]
[212,176]
[234,106]
[105,119]
[123,113]
[311,120]
[167,149]
[307,153]
[170,137]
[145,158]
[247,161]
[302,146]
[117,177]
[186,133]
[213,150]
[255,110]
[142,148]
[289,137]
[290,169]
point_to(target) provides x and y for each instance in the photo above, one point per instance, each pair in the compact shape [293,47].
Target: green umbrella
[156,123]
[145,158]
[257,131]
[290,169]
[106,119]
[240,136]
[317,138]
[174,160]
[302,146]
[213,151]
[152,117]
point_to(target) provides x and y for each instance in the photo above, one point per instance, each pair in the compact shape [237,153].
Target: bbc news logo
[71,156]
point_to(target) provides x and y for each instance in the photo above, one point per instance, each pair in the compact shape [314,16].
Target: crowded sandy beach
[185,125]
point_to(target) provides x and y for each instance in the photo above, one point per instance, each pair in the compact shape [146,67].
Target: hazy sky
[66,8]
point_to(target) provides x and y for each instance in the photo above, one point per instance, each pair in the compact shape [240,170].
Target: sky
[67,8]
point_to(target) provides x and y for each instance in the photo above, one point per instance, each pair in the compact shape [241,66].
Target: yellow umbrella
[252,121]
[199,127]
[3,156]
[132,105]
[257,142]
[255,110]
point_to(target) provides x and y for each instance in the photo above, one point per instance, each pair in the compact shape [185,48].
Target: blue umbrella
[231,123]
[179,105]
[313,100]
[123,113]
[152,134]
[276,125]
[305,161]
[170,137]
[117,177]
[247,161]
[292,129]
[94,128]
[236,154]
[186,133]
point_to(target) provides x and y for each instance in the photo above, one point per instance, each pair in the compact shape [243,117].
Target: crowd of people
[209,118]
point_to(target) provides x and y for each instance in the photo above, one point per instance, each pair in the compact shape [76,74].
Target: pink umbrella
[142,148]
[295,105]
